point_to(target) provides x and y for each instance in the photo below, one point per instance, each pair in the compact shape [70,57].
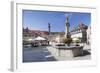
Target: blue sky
[38,20]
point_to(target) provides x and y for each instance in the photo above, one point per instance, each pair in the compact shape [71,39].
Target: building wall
[89,35]
[76,35]
[82,34]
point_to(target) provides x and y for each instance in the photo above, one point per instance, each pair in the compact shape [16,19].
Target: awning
[39,38]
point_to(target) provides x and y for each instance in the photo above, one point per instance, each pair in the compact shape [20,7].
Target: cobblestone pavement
[41,54]
[37,54]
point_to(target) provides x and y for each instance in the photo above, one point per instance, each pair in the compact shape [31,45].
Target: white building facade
[79,32]
[89,35]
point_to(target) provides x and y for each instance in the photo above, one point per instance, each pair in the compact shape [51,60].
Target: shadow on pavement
[86,52]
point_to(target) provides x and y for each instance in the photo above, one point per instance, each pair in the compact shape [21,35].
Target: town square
[56,36]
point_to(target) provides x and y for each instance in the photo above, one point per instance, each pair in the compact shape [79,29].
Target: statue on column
[49,28]
[49,31]
[67,39]
[67,28]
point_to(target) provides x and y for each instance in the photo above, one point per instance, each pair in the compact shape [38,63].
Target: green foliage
[67,40]
[78,40]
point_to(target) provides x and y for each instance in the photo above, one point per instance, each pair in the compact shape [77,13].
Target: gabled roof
[79,27]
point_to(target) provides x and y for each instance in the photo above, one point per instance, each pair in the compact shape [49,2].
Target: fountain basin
[68,51]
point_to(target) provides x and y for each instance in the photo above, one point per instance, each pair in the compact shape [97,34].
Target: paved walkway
[37,54]
[41,54]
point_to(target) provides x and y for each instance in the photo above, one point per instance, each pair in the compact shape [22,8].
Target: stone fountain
[71,50]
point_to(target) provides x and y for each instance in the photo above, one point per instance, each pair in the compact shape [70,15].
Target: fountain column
[67,33]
